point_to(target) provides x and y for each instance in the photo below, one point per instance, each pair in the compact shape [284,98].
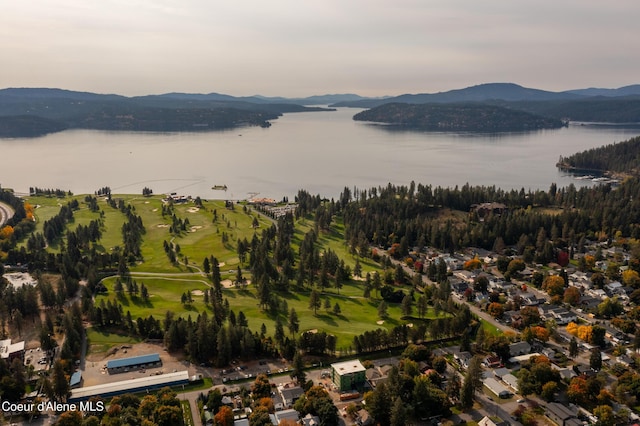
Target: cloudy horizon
[298,49]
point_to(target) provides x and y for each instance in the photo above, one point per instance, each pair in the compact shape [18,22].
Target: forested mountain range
[456,117]
[618,106]
[35,112]
[621,157]
[25,111]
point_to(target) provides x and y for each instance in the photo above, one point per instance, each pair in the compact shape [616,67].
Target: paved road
[6,213]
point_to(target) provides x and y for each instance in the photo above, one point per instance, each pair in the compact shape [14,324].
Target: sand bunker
[154,210]
[197,293]
[193,209]
[227,283]
[163,225]
[221,264]
[195,228]
[380,322]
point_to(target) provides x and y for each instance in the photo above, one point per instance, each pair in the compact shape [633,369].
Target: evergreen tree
[314,301]
[595,360]
[472,382]
[61,388]
[357,269]
[407,308]
[294,322]
[297,372]
[336,309]
[398,413]
[382,310]
[573,348]
[327,304]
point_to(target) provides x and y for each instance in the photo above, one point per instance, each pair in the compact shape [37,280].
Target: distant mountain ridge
[54,93]
[509,92]
[29,112]
[632,90]
[53,109]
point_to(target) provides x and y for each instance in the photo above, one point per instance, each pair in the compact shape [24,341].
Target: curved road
[6,213]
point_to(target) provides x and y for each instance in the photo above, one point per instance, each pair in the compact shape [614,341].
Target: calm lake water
[321,152]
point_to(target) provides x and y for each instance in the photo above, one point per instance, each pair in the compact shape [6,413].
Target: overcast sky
[301,48]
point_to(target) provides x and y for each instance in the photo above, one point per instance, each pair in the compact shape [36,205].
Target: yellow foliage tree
[572,328]
[554,285]
[631,278]
[585,332]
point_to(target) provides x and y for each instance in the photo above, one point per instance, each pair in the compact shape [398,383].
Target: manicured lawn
[164,295]
[102,340]
[489,329]
[203,238]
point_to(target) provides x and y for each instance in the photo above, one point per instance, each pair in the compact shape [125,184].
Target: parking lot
[95,372]
[37,358]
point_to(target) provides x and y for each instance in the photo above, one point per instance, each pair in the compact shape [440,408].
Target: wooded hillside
[456,117]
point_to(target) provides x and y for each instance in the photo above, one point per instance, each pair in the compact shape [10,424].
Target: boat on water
[219,187]
[587,177]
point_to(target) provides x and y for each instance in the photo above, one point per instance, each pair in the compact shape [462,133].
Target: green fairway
[213,230]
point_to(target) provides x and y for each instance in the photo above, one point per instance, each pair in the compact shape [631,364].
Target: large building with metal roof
[130,386]
[124,365]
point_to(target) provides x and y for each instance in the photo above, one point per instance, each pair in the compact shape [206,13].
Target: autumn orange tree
[572,295]
[6,233]
[578,391]
[495,309]
[553,285]
[224,417]
[540,333]
[472,264]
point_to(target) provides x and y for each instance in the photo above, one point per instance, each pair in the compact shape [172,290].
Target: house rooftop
[348,367]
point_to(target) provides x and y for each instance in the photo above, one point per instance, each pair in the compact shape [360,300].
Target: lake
[321,152]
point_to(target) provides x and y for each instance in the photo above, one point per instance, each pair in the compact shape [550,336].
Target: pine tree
[407,307]
[336,309]
[314,301]
[293,323]
[298,369]
[382,310]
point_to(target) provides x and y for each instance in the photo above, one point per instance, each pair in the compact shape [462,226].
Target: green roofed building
[124,365]
[348,375]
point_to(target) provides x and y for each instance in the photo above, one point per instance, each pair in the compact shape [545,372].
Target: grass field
[203,238]
[102,341]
